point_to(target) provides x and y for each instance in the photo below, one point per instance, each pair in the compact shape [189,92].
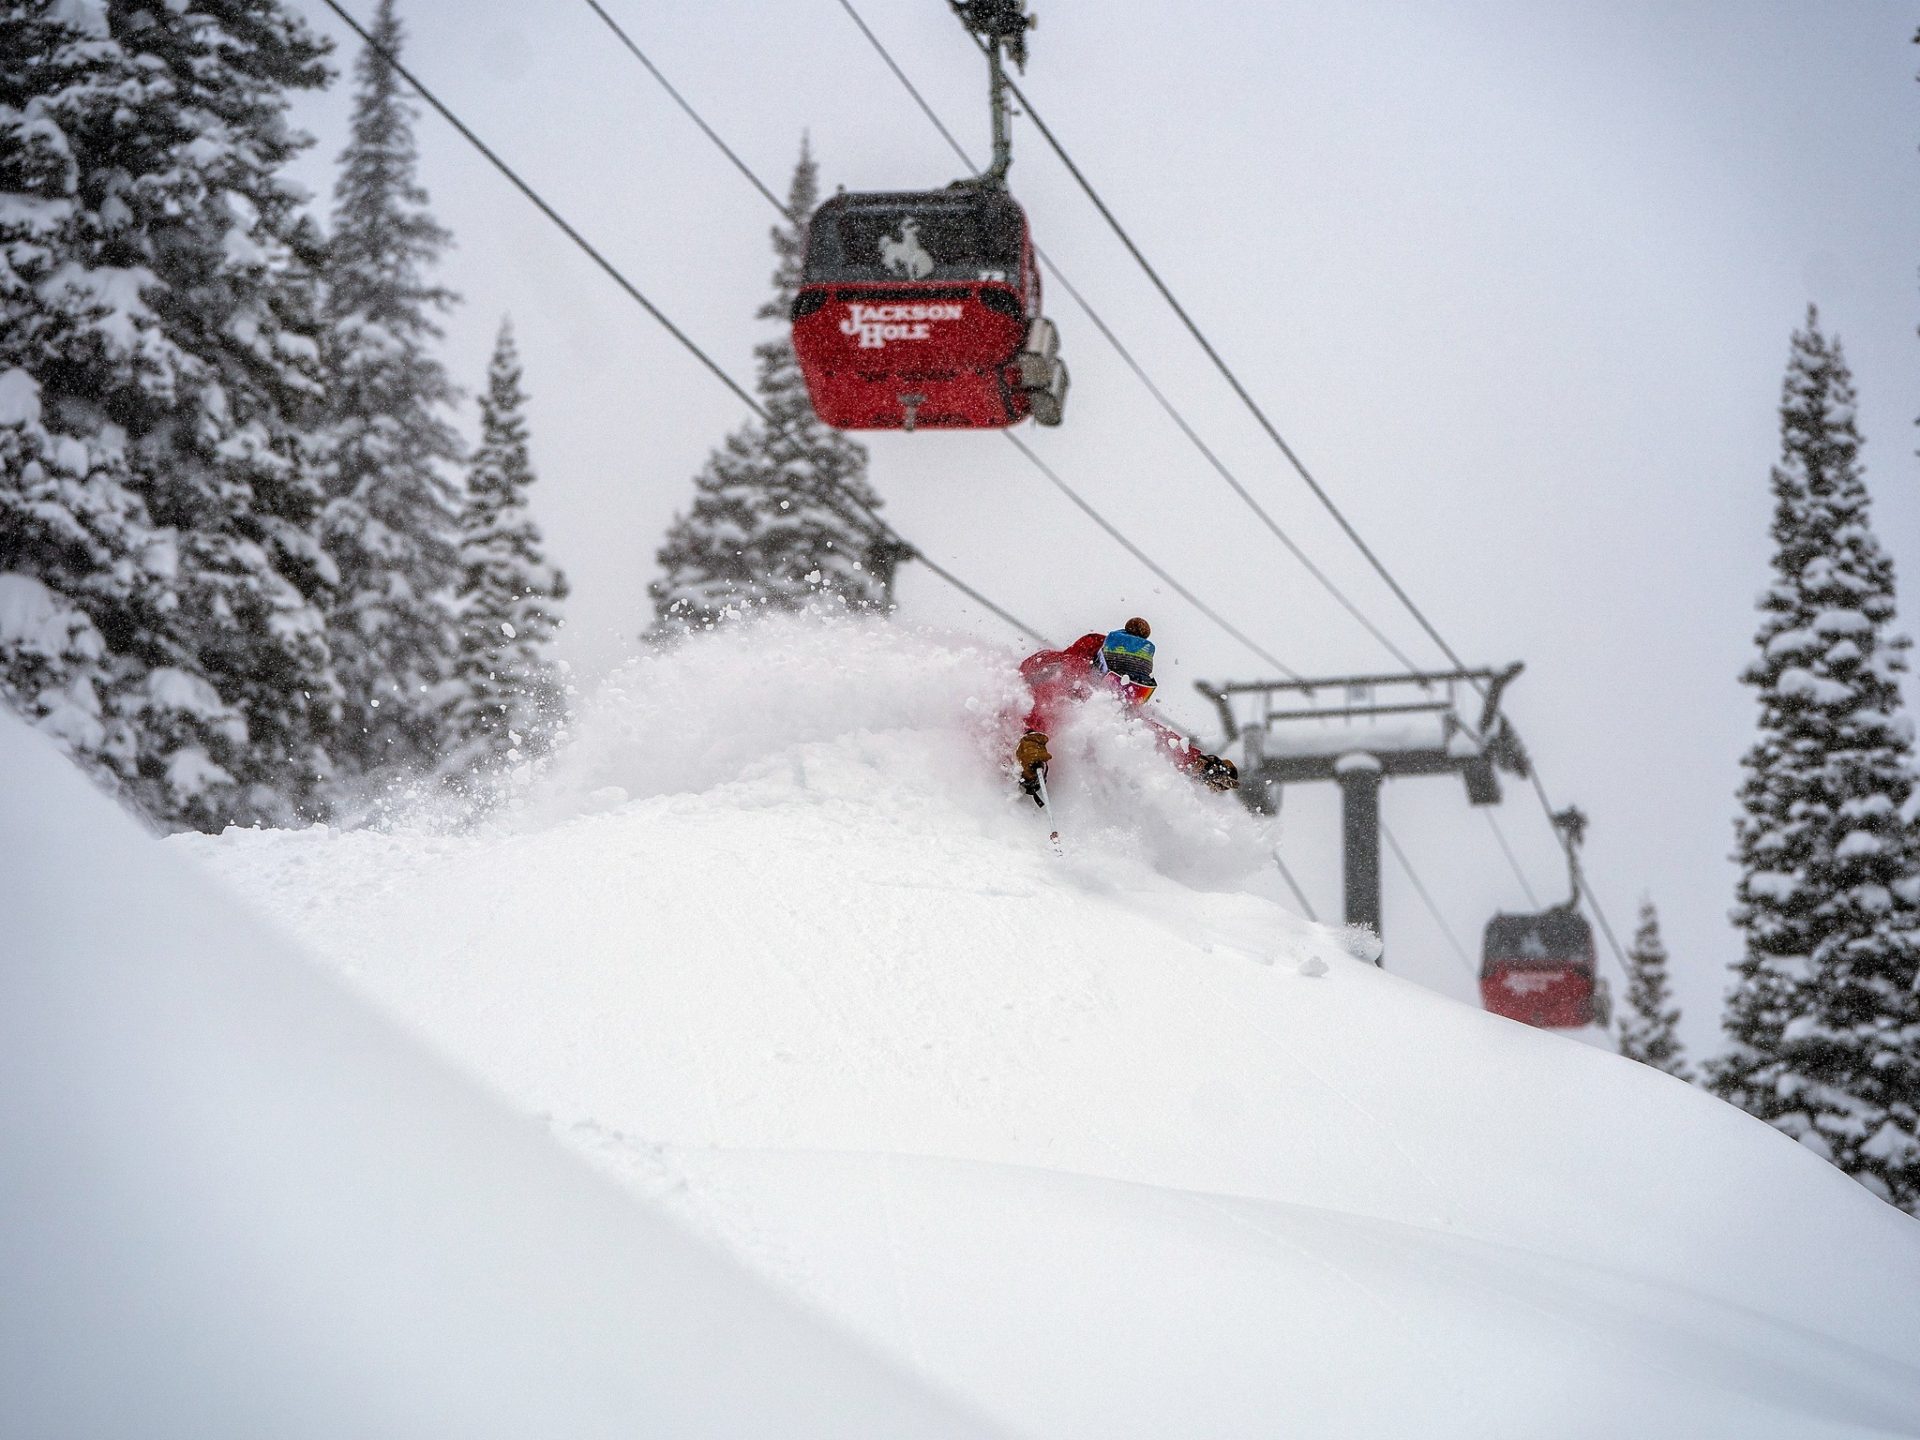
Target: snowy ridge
[234,1203]
[1109,1145]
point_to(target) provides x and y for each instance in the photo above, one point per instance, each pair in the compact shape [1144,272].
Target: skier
[1119,663]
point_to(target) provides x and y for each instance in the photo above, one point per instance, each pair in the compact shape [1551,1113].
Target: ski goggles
[1132,691]
[1128,664]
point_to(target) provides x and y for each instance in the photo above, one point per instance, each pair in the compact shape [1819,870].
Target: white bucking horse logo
[903,254]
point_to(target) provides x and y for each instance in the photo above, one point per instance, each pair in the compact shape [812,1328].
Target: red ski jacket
[1062,679]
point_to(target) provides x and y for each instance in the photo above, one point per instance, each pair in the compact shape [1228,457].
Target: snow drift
[1108,1145]
[234,1203]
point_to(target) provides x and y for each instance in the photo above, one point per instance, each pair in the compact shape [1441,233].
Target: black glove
[1217,773]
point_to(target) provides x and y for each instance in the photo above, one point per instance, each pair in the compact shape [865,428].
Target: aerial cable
[913,552]
[886,531]
[1426,899]
[1513,862]
[545,209]
[1233,380]
[1032,458]
[1306,905]
[1147,560]
[912,89]
[692,114]
[979,599]
[1173,412]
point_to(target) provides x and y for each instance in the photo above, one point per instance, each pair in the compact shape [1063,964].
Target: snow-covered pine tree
[1647,1029]
[161,584]
[508,697]
[390,451]
[1824,1018]
[782,512]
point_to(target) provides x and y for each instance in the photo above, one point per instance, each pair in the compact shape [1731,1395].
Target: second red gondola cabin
[1539,969]
[921,310]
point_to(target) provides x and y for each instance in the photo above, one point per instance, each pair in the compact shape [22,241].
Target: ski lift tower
[1360,730]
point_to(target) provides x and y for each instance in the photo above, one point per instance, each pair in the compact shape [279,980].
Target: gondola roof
[1553,936]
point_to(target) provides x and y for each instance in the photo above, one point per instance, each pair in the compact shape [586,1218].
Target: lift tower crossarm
[1425,679]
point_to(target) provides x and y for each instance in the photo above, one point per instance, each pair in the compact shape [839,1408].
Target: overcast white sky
[1515,277]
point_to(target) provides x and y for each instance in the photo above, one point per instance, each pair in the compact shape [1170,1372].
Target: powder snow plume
[863,710]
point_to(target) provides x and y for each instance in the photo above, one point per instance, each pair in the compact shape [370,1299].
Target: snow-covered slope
[1109,1144]
[235,1203]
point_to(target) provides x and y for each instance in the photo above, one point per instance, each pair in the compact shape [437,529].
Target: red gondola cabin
[1539,970]
[922,311]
